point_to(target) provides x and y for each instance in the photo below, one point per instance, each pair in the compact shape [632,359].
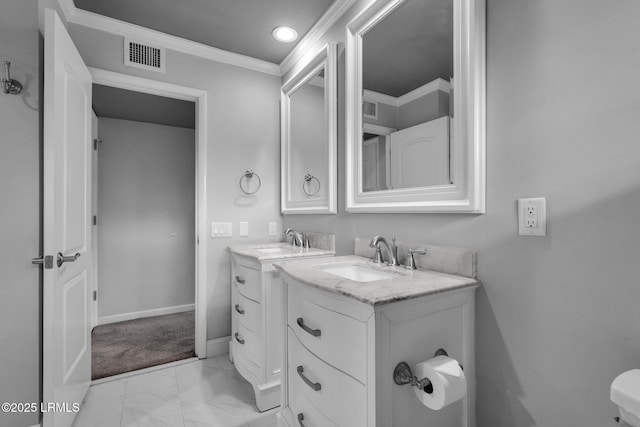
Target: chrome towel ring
[307,181]
[246,177]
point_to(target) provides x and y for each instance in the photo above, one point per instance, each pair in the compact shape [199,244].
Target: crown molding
[432,86]
[326,21]
[125,29]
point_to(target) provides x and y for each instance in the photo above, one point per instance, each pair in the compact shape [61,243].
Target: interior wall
[557,317]
[146,217]
[20,176]
[243,133]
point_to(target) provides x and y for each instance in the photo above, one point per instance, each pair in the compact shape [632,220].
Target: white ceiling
[239,26]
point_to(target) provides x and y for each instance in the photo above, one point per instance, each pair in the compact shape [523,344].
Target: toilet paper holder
[403,375]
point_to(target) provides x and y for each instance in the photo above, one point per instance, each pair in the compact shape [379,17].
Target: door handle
[239,309]
[46,261]
[240,280]
[62,259]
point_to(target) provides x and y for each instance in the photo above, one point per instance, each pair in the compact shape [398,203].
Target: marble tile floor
[201,393]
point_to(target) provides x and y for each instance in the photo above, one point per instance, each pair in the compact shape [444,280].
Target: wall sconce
[10,86]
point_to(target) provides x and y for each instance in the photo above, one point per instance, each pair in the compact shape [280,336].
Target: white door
[370,164]
[67,226]
[420,155]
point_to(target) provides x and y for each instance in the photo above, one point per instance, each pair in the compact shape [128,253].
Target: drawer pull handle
[314,332]
[301,419]
[314,386]
[240,280]
[240,340]
[239,309]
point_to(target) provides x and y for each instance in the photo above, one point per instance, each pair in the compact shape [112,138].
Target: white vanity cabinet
[344,338]
[256,319]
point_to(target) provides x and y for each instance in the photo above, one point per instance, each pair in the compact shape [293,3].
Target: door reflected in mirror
[407,67]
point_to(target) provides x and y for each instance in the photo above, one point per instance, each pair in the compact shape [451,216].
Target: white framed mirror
[309,137]
[415,100]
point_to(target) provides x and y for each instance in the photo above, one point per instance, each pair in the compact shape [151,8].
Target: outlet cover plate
[532,216]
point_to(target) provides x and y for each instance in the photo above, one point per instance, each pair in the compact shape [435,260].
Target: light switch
[244,229]
[221,229]
[273,228]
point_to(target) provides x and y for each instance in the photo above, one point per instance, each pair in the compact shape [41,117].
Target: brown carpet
[136,344]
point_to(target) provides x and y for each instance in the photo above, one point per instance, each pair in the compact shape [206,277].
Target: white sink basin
[360,272]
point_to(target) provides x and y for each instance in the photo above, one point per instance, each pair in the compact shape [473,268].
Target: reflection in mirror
[407,66]
[426,150]
[308,130]
[309,137]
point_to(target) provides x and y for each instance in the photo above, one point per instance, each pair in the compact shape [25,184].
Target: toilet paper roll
[447,378]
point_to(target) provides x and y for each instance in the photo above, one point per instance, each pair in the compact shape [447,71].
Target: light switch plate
[244,229]
[532,217]
[221,229]
[273,228]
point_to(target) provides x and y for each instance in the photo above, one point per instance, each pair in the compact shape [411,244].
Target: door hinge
[46,261]
[95,220]
[95,295]
[96,142]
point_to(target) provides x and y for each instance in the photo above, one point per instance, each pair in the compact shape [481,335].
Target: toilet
[625,392]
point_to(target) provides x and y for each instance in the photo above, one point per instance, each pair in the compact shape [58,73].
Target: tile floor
[202,393]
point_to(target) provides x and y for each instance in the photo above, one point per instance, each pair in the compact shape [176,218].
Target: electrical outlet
[532,217]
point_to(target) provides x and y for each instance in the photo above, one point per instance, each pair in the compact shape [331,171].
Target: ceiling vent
[143,56]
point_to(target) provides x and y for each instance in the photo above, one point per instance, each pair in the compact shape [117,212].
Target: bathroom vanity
[256,320]
[348,322]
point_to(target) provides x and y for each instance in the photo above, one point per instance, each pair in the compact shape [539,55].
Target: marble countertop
[405,285]
[277,251]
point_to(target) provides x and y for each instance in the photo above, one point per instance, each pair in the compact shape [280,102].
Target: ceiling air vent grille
[144,56]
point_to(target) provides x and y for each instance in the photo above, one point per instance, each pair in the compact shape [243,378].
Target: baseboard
[218,346]
[145,313]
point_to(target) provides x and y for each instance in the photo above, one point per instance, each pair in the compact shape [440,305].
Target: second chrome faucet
[392,250]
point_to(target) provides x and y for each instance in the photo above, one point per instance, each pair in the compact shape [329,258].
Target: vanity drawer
[248,282]
[335,338]
[304,413]
[335,394]
[246,311]
[246,346]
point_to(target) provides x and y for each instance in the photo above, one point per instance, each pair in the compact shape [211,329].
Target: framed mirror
[309,137]
[416,107]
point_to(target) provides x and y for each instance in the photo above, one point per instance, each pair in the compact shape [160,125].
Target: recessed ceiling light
[284,34]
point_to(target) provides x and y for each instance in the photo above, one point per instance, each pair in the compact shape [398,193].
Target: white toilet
[625,392]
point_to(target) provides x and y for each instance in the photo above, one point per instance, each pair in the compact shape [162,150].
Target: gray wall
[557,317]
[146,212]
[20,316]
[244,120]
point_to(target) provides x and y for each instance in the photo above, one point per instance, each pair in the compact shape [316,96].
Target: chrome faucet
[391,249]
[297,238]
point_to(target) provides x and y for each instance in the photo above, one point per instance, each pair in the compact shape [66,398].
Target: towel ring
[306,180]
[246,176]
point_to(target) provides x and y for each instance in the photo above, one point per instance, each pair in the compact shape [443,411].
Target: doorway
[176,98]
[144,226]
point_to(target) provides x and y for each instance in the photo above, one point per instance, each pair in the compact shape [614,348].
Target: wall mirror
[309,137]
[415,107]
